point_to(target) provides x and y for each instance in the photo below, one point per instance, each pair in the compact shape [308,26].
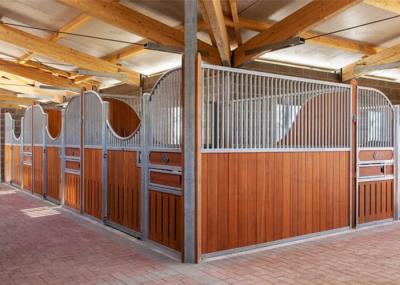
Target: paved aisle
[42,244]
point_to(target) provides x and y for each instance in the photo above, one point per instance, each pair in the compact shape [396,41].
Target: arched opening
[122,118]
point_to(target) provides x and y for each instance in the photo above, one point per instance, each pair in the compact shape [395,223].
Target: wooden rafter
[67,28]
[389,5]
[38,75]
[300,21]
[235,19]
[139,24]
[15,99]
[206,22]
[388,58]
[62,53]
[215,17]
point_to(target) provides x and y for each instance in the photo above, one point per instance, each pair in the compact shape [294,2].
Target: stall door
[375,154]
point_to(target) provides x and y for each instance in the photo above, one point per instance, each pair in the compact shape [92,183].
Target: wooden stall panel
[38,170]
[69,151]
[123,189]
[166,179]
[72,191]
[165,158]
[54,121]
[166,219]
[93,182]
[16,165]
[250,198]
[375,201]
[53,173]
[7,163]
[27,177]
[370,155]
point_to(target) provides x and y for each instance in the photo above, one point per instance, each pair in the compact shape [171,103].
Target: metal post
[21,155]
[145,131]
[62,156]
[44,162]
[82,150]
[189,123]
[104,162]
[396,159]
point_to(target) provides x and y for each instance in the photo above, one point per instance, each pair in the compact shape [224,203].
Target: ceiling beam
[7,105]
[62,53]
[206,22]
[38,75]
[5,96]
[300,21]
[71,26]
[389,5]
[125,52]
[215,17]
[139,24]
[388,58]
[235,18]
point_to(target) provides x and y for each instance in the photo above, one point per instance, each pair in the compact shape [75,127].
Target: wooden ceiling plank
[388,58]
[215,16]
[206,21]
[293,25]
[62,53]
[139,24]
[389,5]
[71,26]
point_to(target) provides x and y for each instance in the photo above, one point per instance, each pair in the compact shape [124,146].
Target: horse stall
[12,152]
[53,139]
[27,150]
[277,159]
[123,145]
[375,157]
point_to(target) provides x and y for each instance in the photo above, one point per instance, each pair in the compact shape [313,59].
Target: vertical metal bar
[104,112]
[144,156]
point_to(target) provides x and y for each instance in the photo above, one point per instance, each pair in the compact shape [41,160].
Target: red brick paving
[67,249]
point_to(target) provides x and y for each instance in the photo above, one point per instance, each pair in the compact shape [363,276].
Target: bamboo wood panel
[250,198]
[167,179]
[54,121]
[7,163]
[123,190]
[38,170]
[53,172]
[27,177]
[70,151]
[166,219]
[16,165]
[123,119]
[72,191]
[93,182]
[370,155]
[375,201]
[165,158]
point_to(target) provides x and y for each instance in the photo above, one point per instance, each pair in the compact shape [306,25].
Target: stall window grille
[253,111]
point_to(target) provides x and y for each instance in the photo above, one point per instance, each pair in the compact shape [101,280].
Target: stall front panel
[123,143]
[53,138]
[27,149]
[375,157]
[12,152]
[39,148]
[72,154]
[165,162]
[275,158]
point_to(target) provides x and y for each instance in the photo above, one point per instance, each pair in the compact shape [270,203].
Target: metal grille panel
[27,126]
[39,124]
[374,119]
[93,119]
[165,112]
[72,122]
[247,110]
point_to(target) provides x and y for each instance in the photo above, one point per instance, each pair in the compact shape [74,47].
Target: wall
[16,114]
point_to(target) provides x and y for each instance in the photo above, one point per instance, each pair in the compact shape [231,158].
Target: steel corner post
[62,156]
[105,110]
[144,159]
[396,127]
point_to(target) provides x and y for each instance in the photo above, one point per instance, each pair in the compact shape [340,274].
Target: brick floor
[53,246]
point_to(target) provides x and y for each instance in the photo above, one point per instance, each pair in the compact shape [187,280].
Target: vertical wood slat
[16,165]
[93,181]
[166,219]
[38,170]
[7,163]
[123,189]
[271,196]
[72,191]
[375,200]
[53,172]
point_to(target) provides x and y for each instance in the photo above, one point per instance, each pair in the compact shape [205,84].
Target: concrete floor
[43,244]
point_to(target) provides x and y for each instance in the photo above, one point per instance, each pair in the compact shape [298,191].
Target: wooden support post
[198,161]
